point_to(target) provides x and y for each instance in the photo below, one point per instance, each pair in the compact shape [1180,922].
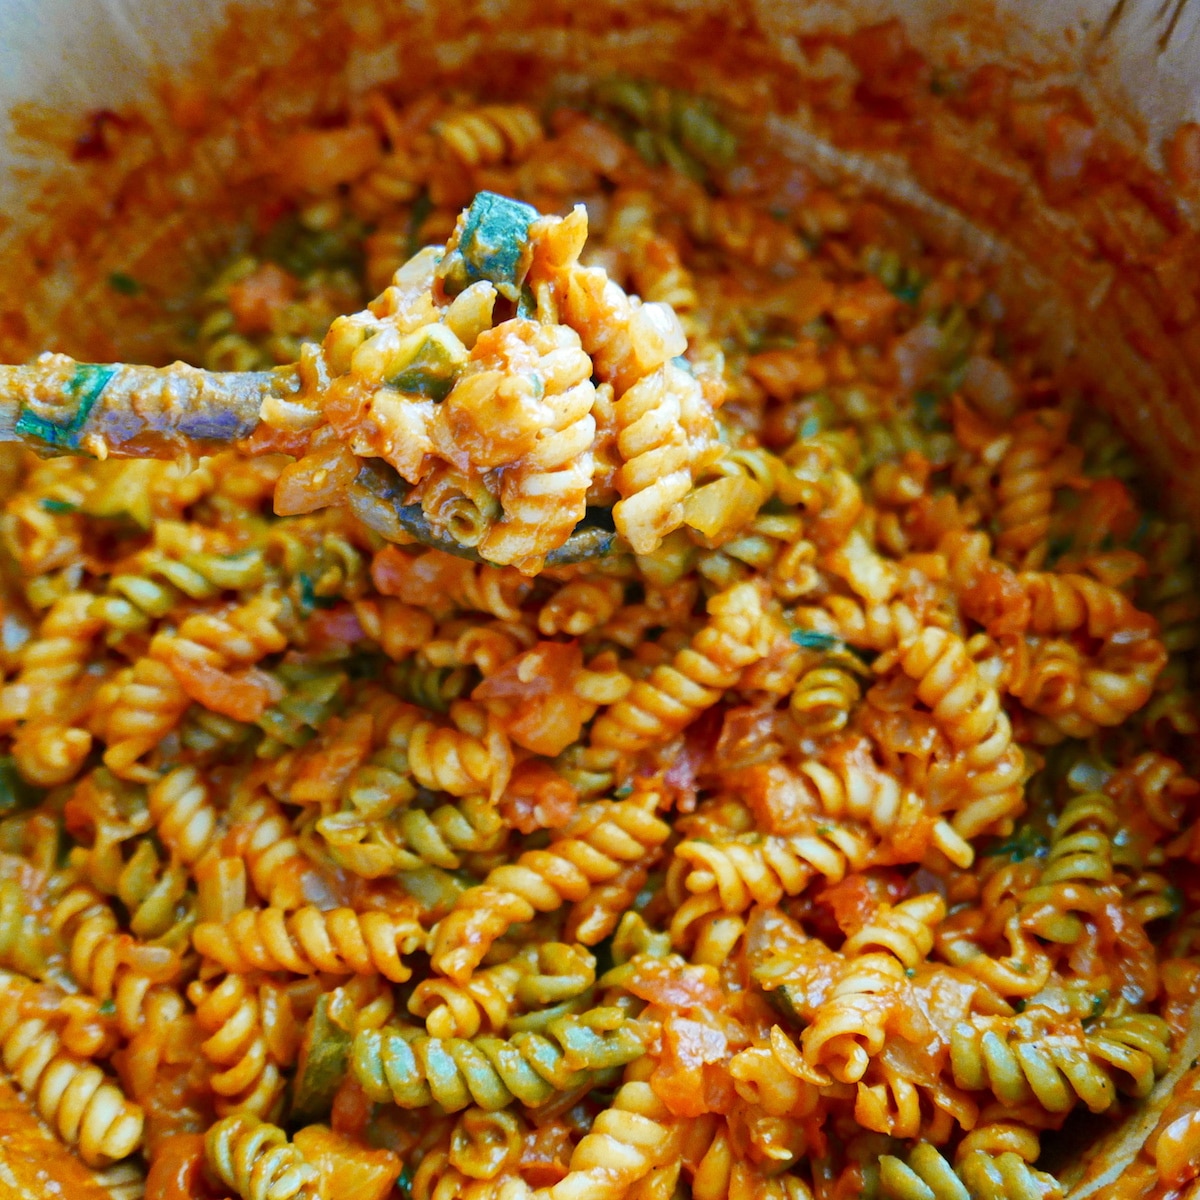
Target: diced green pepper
[324,1055]
[126,285]
[437,356]
[788,1000]
[491,243]
[814,639]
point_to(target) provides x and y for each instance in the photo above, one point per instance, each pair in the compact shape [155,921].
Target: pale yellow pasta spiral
[229,1015]
[625,1143]
[1022,972]
[602,839]
[665,437]
[545,496]
[904,930]
[776,1077]
[701,928]
[1063,603]
[75,1098]
[489,134]
[1034,465]
[137,709]
[738,633]
[823,700]
[256,1160]
[278,868]
[949,682]
[752,869]
[179,806]
[51,663]
[580,606]
[111,965]
[338,942]
[848,1029]
[211,650]
[471,755]
[847,783]
[481,1003]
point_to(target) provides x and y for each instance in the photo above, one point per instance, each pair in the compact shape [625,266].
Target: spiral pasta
[109,964]
[211,657]
[626,1142]
[762,870]
[186,820]
[1035,464]
[489,134]
[823,698]
[1027,1058]
[602,839]
[539,977]
[412,1070]
[255,1159]
[664,437]
[977,1175]
[905,930]
[340,942]
[230,1016]
[85,1108]
[674,695]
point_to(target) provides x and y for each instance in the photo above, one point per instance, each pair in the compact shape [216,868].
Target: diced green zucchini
[490,243]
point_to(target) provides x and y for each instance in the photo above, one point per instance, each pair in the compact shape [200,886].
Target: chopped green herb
[789,1000]
[309,599]
[108,1008]
[404,1182]
[929,412]
[814,639]
[1057,546]
[910,972]
[943,84]
[1018,1005]
[126,285]
[59,506]
[15,793]
[1026,843]
[87,383]
[624,790]
[811,426]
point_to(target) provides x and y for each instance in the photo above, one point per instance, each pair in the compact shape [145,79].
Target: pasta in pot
[829,834]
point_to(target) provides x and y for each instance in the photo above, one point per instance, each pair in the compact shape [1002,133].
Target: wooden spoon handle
[56,405]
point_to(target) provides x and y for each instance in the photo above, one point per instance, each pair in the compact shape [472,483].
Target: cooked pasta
[83,1106]
[830,831]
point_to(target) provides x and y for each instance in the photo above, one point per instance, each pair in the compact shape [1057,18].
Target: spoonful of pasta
[499,401]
